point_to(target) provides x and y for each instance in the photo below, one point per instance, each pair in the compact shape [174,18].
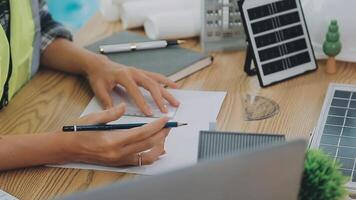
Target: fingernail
[165,108]
[149,111]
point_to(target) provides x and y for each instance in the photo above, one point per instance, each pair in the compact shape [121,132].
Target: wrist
[78,147]
[92,62]
[63,148]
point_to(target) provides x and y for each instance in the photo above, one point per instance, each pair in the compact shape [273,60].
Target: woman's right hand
[118,147]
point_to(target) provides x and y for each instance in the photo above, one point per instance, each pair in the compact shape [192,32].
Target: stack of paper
[197,108]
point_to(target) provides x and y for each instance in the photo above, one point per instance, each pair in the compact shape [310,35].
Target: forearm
[65,56]
[33,150]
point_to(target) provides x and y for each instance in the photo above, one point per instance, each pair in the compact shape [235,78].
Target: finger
[132,88]
[161,147]
[105,116]
[103,95]
[154,90]
[169,97]
[147,157]
[144,132]
[147,144]
[151,156]
[162,79]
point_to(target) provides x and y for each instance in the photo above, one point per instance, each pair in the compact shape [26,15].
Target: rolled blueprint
[173,25]
[109,10]
[135,12]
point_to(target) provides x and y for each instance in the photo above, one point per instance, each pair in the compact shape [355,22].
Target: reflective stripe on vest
[25,45]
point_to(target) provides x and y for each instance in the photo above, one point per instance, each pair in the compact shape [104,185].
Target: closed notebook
[174,62]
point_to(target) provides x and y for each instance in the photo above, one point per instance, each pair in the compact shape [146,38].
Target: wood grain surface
[52,99]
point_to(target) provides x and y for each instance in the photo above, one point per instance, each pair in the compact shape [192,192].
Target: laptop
[272,173]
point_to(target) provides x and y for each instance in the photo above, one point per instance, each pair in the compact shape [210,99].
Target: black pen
[117,48]
[104,127]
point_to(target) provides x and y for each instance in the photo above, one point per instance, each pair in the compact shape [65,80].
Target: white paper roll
[173,25]
[118,2]
[109,10]
[134,13]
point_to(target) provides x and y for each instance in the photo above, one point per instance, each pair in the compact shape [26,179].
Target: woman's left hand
[105,75]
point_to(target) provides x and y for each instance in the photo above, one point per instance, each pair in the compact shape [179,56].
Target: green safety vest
[23,49]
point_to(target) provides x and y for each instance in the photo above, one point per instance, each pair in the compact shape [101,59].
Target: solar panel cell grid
[330,150]
[346,172]
[339,132]
[350,132]
[269,9]
[351,113]
[283,49]
[342,94]
[337,111]
[299,59]
[332,130]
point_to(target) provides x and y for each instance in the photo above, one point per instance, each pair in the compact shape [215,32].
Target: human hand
[104,76]
[119,147]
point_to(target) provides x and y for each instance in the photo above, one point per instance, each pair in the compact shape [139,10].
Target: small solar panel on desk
[215,144]
[336,130]
[278,39]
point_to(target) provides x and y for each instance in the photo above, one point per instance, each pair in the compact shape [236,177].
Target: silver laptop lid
[269,174]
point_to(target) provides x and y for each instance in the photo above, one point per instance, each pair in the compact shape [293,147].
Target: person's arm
[61,54]
[104,75]
[31,150]
[112,148]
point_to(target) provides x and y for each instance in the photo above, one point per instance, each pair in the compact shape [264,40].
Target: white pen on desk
[117,48]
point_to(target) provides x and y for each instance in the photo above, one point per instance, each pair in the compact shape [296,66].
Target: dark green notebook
[174,62]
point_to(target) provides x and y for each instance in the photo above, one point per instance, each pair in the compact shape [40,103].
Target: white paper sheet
[131,109]
[6,196]
[197,108]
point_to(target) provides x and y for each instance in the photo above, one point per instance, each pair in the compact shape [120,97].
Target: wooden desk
[52,99]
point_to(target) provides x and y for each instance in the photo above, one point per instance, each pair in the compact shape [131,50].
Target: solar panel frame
[284,67]
[325,137]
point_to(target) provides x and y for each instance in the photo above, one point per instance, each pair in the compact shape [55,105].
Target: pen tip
[182,124]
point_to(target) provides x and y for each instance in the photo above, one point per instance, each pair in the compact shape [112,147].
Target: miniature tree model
[332,46]
[322,178]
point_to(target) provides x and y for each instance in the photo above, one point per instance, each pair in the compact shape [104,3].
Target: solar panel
[336,130]
[216,144]
[279,39]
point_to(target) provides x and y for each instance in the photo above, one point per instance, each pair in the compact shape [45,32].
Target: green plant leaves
[332,45]
[322,179]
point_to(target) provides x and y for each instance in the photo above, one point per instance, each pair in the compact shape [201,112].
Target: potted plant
[322,178]
[332,46]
